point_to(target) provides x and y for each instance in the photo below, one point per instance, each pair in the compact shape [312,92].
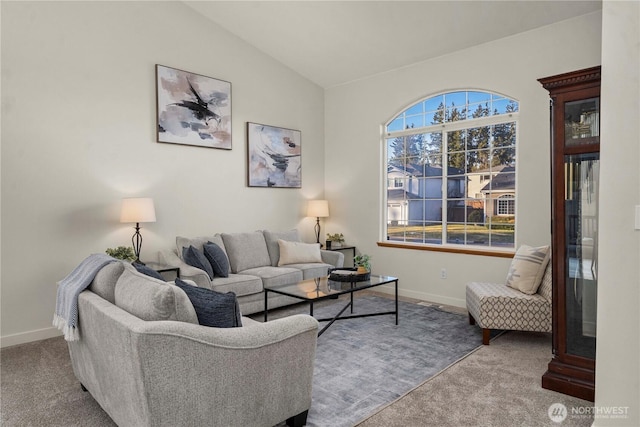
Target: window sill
[463,250]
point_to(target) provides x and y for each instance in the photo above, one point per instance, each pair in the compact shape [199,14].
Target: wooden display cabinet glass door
[575,164]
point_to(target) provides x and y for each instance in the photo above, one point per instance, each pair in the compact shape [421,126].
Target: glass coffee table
[313,290]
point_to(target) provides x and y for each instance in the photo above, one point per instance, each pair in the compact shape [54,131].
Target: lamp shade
[318,208]
[138,209]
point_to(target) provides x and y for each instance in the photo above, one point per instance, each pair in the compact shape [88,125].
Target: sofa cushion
[213,308]
[104,284]
[274,276]
[272,237]
[148,271]
[246,250]
[527,268]
[195,258]
[217,258]
[239,284]
[298,253]
[152,299]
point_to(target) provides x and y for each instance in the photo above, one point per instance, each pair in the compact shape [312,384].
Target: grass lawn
[475,234]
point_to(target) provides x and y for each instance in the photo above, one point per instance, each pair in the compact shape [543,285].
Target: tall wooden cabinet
[575,160]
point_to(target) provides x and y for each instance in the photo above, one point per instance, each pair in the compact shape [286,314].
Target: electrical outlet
[443,273]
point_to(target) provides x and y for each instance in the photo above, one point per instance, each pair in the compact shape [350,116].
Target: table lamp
[137,209]
[318,209]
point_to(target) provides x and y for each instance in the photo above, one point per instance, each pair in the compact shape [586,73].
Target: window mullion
[445,176]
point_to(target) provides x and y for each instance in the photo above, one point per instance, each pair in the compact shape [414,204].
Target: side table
[164,268]
[343,248]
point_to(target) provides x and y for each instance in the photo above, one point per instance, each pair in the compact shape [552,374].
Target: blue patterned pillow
[213,308]
[217,258]
[148,271]
[195,258]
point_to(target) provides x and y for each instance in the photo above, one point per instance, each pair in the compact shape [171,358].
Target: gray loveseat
[253,258]
[145,359]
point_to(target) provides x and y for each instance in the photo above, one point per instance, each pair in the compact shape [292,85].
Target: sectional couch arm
[200,277]
[334,258]
[213,376]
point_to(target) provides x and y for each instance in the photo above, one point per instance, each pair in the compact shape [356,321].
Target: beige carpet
[497,385]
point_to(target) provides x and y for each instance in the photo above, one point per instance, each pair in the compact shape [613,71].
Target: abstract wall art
[274,156]
[193,109]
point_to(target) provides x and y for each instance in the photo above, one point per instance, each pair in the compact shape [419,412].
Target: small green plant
[362,260]
[337,237]
[122,252]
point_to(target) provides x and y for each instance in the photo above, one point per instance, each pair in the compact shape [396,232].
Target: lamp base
[316,228]
[136,240]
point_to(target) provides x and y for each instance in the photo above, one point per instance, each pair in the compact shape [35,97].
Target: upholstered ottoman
[497,306]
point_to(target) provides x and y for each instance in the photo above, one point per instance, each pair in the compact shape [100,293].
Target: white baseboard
[390,289]
[25,337]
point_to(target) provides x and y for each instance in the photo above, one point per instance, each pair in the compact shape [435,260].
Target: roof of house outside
[503,181]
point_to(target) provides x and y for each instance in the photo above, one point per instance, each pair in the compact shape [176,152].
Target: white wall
[355,112]
[78,134]
[618,349]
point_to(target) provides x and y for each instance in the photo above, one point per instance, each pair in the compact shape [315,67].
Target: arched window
[448,159]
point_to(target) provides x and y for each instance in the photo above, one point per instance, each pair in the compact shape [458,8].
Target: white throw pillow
[527,268]
[298,253]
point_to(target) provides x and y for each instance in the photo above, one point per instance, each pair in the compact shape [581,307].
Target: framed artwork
[193,109]
[274,156]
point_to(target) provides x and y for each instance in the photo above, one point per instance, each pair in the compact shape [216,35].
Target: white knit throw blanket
[66,316]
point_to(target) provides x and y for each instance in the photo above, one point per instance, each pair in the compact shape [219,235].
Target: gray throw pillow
[195,258]
[213,308]
[217,258]
[148,271]
[104,284]
[151,299]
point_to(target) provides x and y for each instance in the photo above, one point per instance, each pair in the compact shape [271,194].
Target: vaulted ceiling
[334,42]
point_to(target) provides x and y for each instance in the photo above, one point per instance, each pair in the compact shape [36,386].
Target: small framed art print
[274,156]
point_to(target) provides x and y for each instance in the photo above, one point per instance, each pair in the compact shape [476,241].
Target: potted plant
[334,240]
[363,262]
[121,252]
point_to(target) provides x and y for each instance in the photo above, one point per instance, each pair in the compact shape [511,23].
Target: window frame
[445,128]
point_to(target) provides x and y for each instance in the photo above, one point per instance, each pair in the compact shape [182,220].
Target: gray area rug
[364,364]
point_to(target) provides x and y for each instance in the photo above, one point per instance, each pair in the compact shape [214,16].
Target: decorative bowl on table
[348,275]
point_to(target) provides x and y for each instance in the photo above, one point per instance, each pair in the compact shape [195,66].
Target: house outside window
[454,154]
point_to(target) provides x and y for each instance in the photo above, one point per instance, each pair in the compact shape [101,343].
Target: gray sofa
[145,359]
[253,259]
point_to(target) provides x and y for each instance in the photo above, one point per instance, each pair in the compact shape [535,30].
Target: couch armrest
[334,258]
[216,376]
[200,277]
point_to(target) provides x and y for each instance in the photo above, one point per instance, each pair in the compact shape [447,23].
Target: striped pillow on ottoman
[527,268]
